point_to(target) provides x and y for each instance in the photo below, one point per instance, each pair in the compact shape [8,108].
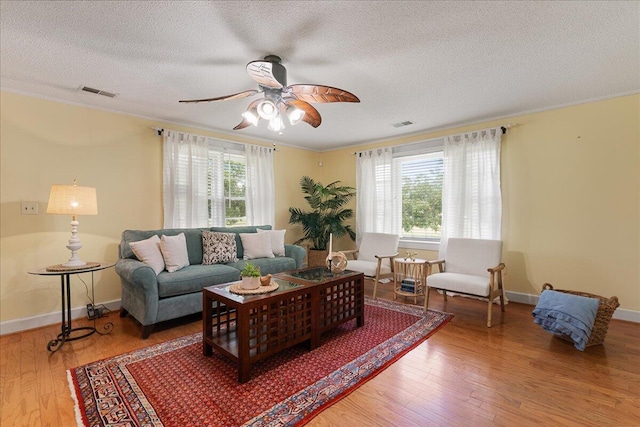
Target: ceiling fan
[293,101]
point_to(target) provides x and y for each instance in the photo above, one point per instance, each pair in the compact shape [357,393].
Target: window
[210,182]
[233,187]
[400,192]
[420,183]
[234,190]
[426,205]
[418,170]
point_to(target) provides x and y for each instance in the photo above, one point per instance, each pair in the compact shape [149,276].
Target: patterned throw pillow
[218,247]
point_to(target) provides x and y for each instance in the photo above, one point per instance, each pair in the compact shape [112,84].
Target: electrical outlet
[93,312]
[29,208]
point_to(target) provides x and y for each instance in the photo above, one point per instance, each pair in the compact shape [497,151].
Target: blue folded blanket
[567,315]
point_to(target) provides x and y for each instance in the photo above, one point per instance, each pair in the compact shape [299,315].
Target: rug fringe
[76,402]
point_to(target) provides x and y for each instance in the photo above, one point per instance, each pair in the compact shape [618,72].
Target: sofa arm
[137,273]
[297,253]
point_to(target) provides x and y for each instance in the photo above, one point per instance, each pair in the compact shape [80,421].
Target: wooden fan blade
[224,98]
[322,94]
[311,115]
[269,74]
[244,123]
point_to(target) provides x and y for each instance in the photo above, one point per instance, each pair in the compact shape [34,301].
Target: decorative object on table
[73,200]
[281,100]
[337,263]
[265,280]
[238,289]
[327,217]
[287,388]
[411,256]
[250,276]
[600,325]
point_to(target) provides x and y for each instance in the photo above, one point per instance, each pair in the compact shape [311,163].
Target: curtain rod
[504,128]
[160,131]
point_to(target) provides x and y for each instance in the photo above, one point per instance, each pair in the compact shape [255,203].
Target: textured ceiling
[436,64]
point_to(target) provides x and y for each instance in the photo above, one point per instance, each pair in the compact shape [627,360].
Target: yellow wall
[570,182]
[44,143]
[571,197]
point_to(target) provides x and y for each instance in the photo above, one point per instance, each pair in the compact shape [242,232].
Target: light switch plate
[29,208]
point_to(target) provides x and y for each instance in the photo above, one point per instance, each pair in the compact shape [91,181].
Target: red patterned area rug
[173,384]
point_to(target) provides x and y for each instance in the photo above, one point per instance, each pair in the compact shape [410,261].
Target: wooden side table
[409,277]
[65,291]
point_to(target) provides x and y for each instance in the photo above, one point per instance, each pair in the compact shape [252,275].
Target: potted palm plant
[327,216]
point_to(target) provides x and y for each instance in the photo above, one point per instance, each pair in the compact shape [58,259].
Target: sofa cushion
[192,235]
[195,277]
[277,240]
[148,251]
[256,245]
[463,283]
[218,248]
[174,252]
[238,230]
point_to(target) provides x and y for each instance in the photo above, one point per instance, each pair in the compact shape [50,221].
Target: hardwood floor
[513,374]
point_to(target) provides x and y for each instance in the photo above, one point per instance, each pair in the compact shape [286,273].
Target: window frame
[228,150]
[407,150]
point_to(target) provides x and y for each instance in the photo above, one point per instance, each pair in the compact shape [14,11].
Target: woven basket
[603,316]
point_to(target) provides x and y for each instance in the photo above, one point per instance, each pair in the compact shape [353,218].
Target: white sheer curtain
[471,197]
[216,162]
[375,211]
[260,189]
[185,164]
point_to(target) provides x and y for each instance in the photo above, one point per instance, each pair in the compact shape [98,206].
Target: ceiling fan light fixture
[294,114]
[267,109]
[276,124]
[252,116]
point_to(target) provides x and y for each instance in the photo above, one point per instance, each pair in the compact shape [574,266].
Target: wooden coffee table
[308,302]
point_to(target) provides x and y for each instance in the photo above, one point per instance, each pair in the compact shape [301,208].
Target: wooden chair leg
[489,310]
[426,299]
[375,287]
[501,291]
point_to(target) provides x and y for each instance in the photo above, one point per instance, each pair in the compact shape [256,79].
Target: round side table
[65,291]
[409,277]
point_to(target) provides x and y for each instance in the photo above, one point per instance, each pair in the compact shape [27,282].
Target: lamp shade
[72,200]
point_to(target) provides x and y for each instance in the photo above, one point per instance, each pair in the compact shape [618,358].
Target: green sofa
[152,299]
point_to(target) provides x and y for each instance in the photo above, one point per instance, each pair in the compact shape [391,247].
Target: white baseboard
[11,326]
[18,325]
[620,313]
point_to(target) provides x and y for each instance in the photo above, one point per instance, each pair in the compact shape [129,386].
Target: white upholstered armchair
[374,258]
[471,267]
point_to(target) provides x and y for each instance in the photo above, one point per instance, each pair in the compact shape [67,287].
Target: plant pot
[250,282]
[317,258]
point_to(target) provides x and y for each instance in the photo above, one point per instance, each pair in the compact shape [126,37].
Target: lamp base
[74,263]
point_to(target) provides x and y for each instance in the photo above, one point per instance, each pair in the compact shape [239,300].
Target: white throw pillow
[277,240]
[174,251]
[148,251]
[256,245]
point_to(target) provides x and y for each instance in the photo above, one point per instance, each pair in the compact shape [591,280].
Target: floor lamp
[73,200]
